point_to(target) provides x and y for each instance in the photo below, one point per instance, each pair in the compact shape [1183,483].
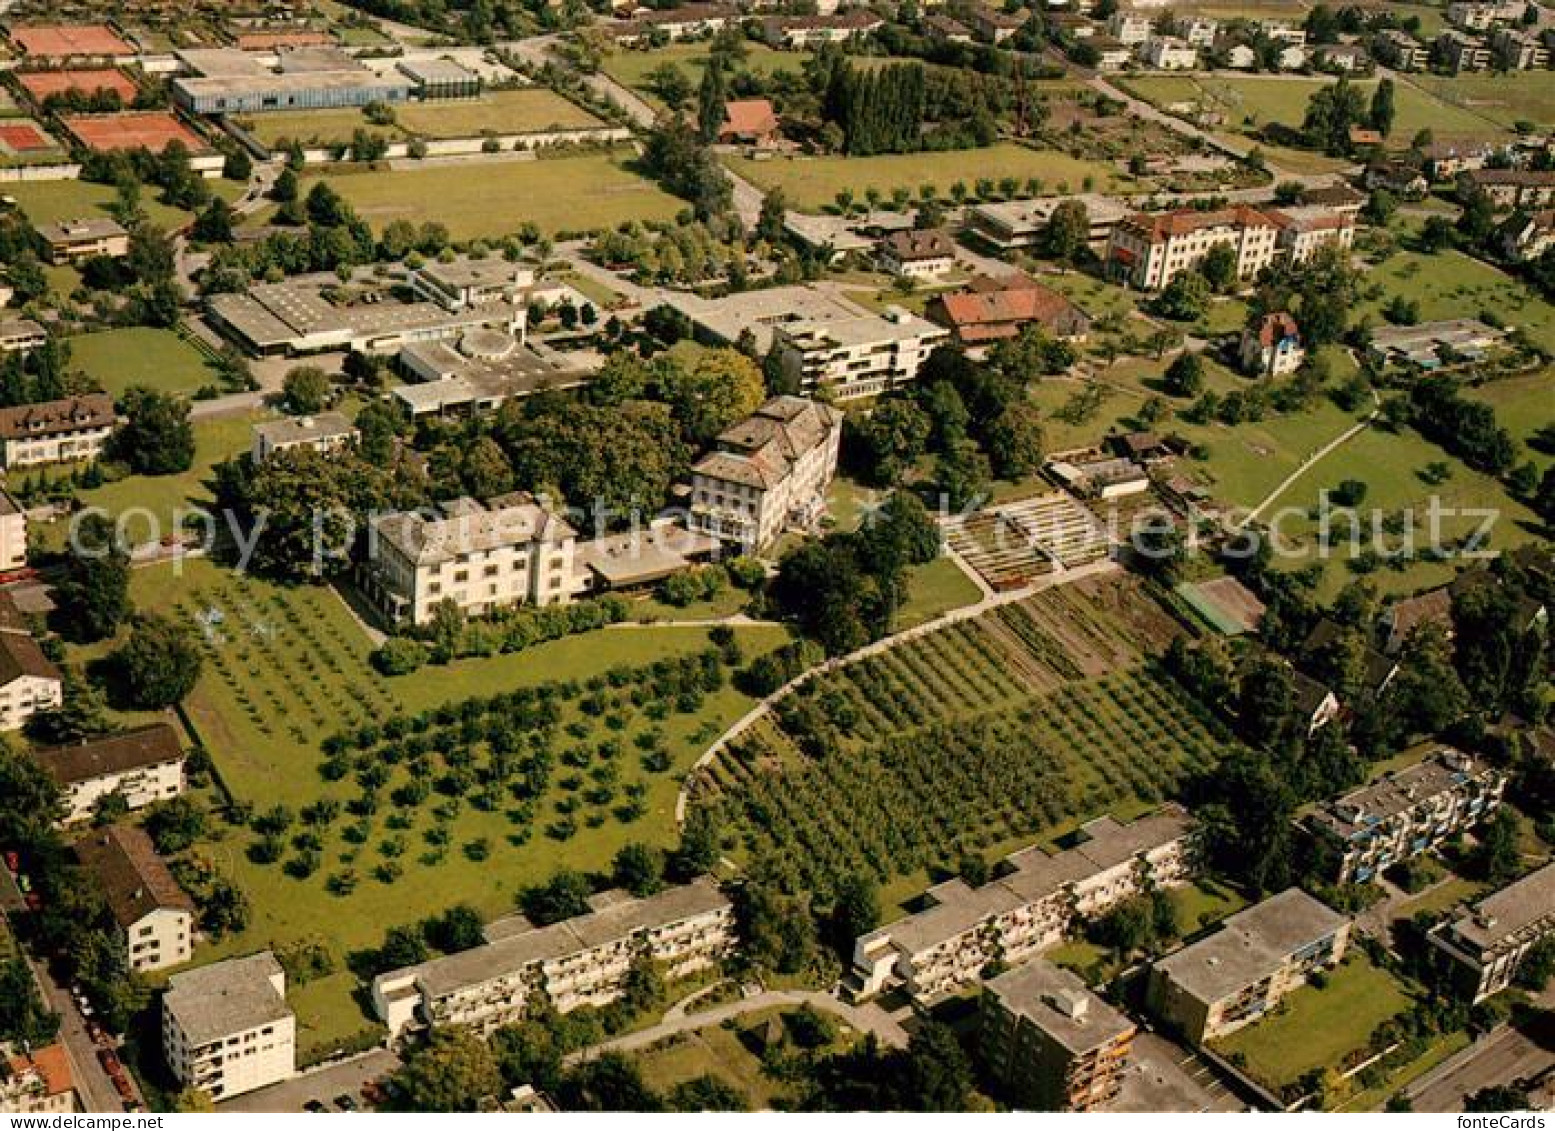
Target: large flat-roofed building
[141,765]
[228,81]
[464,283]
[1484,945]
[1404,813]
[299,317]
[1015,224]
[154,915]
[508,551]
[1431,344]
[1216,986]
[1051,1043]
[769,473]
[479,373]
[440,78]
[325,432]
[581,961]
[75,428]
[1031,905]
[71,240]
[226,1027]
[861,355]
[1149,251]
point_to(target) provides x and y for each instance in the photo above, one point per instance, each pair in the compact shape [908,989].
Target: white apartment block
[13,533]
[1484,946]
[1404,813]
[1130,28]
[326,432]
[1462,52]
[142,765]
[1518,51]
[226,1028]
[154,915]
[769,473]
[1168,53]
[1234,977]
[1149,251]
[29,682]
[1478,15]
[1198,31]
[581,961]
[1305,230]
[860,355]
[75,428]
[507,551]
[1033,905]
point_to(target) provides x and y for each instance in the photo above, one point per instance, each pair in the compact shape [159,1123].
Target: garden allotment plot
[1019,543]
[973,739]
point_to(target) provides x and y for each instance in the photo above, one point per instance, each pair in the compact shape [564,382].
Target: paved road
[1501,1058]
[92,1083]
[868,1018]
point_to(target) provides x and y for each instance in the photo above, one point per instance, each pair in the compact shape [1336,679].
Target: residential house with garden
[141,765]
[1484,946]
[154,915]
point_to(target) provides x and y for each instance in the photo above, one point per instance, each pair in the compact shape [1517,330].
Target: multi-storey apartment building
[29,681]
[326,432]
[1168,53]
[141,765]
[1460,52]
[854,356]
[1484,945]
[75,428]
[226,1027]
[581,961]
[1482,15]
[508,551]
[1216,986]
[1130,27]
[154,915]
[769,474]
[13,533]
[1306,230]
[1399,49]
[1149,251]
[38,1083]
[1032,905]
[1404,813]
[1515,188]
[70,240]
[1518,51]
[1051,1043]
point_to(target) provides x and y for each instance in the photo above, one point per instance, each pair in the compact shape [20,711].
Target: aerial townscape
[956,556]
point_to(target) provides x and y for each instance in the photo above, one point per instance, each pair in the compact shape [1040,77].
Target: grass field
[1315,1028]
[1453,285]
[933,590]
[1389,464]
[50,202]
[1256,101]
[1522,407]
[812,183]
[631,67]
[532,110]
[1506,99]
[117,359]
[286,667]
[566,194]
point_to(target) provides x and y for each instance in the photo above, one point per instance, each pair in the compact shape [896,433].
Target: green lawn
[1453,285]
[50,202]
[1522,95]
[1523,406]
[531,110]
[286,667]
[1254,102]
[566,194]
[933,590]
[812,183]
[159,499]
[1389,464]
[1200,904]
[117,359]
[1315,1028]
[631,67]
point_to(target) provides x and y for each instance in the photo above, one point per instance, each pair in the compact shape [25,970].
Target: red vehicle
[13,862]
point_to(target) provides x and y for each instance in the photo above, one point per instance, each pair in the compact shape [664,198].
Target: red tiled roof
[1162,226]
[985,315]
[750,117]
[53,1065]
[1276,328]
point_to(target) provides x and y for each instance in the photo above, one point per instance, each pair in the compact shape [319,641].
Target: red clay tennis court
[153,130]
[45,84]
[61,41]
[24,137]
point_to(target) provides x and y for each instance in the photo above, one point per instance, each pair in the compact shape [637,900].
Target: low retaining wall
[474,146]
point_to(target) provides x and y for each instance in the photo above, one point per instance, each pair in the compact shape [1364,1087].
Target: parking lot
[322,1087]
